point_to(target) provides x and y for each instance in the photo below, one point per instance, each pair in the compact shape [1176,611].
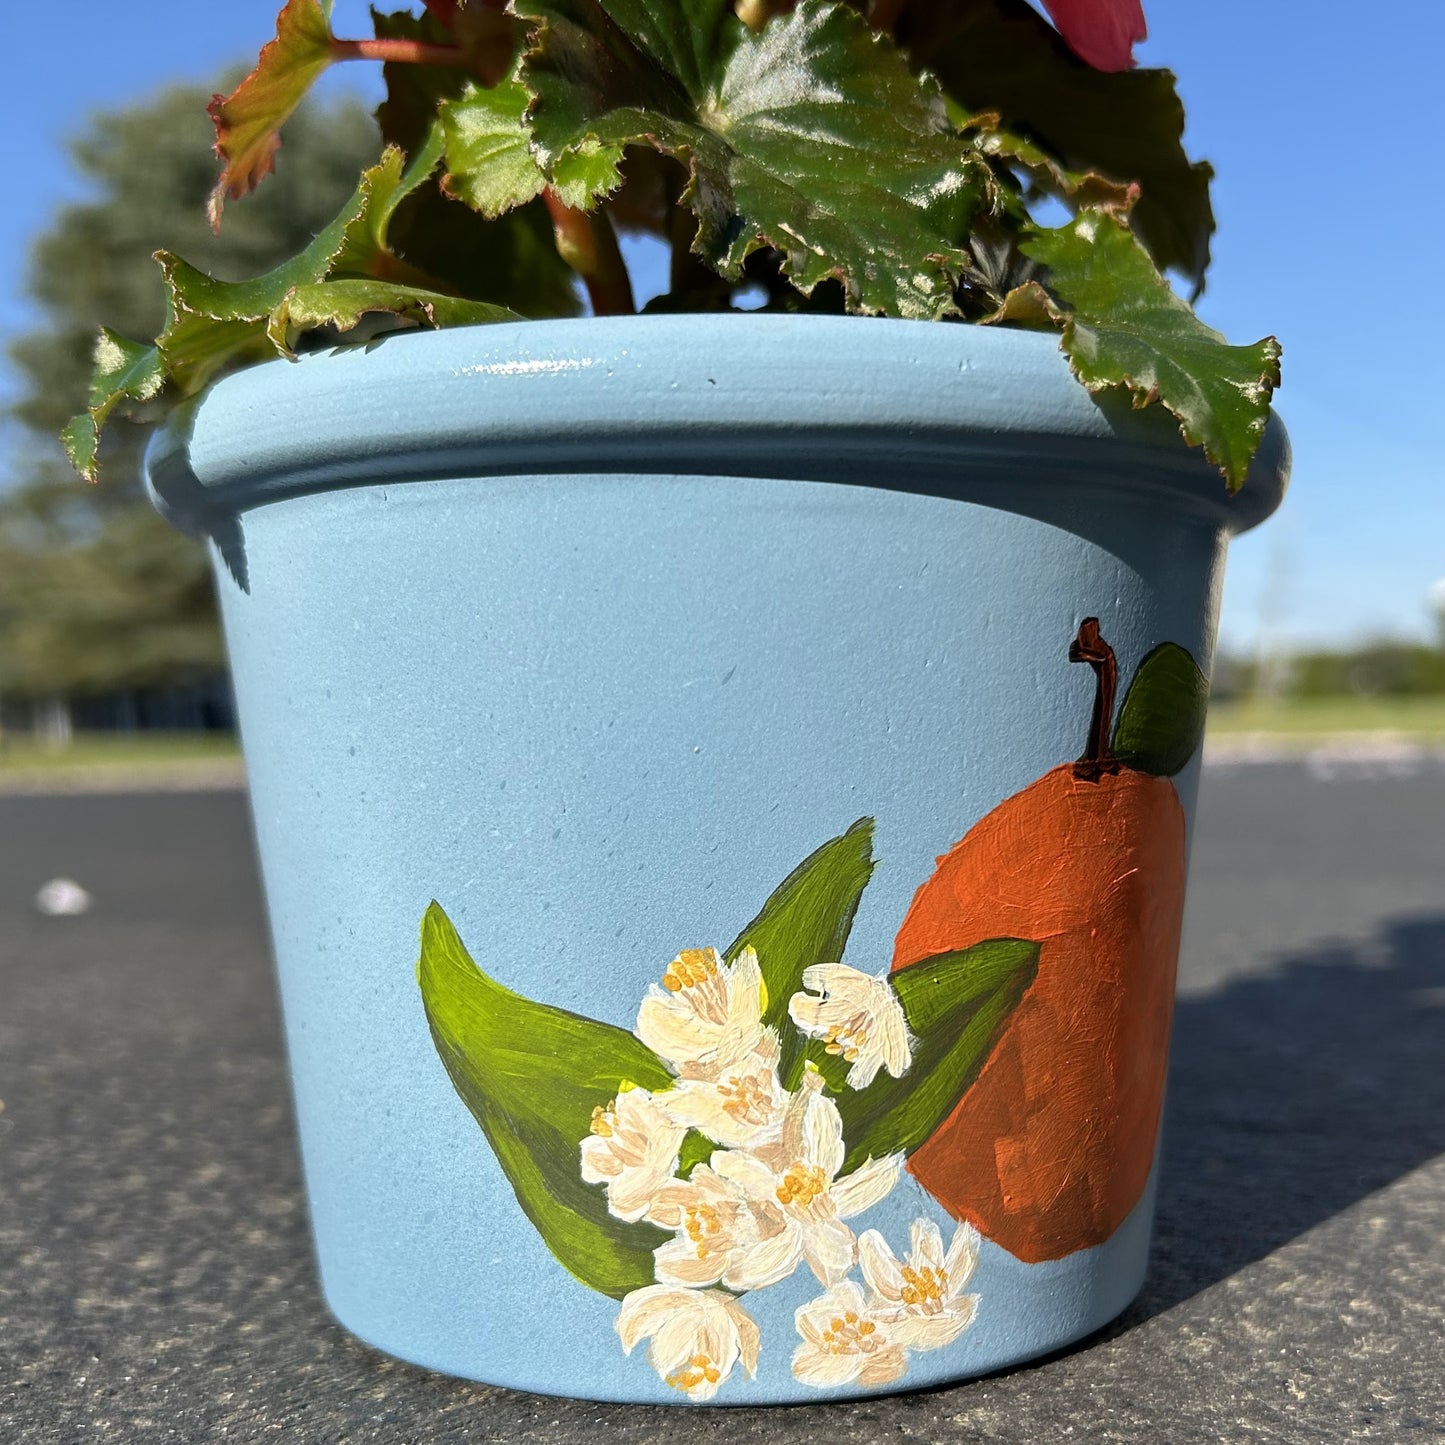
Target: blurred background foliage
[102,604]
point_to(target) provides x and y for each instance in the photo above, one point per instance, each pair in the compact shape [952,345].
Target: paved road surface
[155,1281]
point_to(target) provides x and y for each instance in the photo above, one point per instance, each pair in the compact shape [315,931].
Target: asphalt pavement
[155,1273]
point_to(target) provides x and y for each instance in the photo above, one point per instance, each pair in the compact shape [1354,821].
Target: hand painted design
[845,1343]
[633,1150]
[1052,1146]
[922,1297]
[910,1307]
[706,1012]
[705,1024]
[697,1336]
[792,1190]
[763,1102]
[769,1095]
[857,1016]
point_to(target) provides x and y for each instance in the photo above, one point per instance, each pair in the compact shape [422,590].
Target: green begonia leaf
[806,920]
[956,1004]
[490,164]
[348,270]
[1161,721]
[1001,55]
[212,324]
[532,1076]
[249,120]
[1123,326]
[811,137]
[512,261]
[342,304]
[1028,306]
[125,371]
[1048,174]
[413,92]
[201,295]
[366,248]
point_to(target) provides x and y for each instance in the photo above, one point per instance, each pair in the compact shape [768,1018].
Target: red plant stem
[589,246]
[408,52]
[1089,646]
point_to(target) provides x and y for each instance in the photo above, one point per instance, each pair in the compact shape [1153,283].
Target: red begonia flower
[1102,32]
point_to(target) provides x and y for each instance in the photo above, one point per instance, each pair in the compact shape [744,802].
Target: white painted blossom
[844,1342]
[633,1150]
[923,1296]
[793,1190]
[697,1336]
[857,1016]
[736,1102]
[706,1012]
[714,1225]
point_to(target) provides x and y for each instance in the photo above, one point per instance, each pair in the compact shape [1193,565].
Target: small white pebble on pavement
[62,898]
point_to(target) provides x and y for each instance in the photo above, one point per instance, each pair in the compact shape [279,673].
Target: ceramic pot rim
[919,406]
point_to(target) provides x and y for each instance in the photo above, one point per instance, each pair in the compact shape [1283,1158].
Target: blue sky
[1321,126]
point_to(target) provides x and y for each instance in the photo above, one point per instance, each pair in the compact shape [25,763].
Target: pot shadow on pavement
[1292,1095]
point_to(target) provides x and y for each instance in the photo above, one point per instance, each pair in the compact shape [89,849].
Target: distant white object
[62,898]
[1436,593]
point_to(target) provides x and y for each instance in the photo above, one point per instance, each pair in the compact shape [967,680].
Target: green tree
[96,592]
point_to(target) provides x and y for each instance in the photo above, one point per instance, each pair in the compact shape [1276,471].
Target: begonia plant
[936,160]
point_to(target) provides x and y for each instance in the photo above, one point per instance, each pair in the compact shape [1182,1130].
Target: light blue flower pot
[591,632]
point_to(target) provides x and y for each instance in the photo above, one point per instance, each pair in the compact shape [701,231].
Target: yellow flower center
[696,1371]
[924,1287]
[847,1038]
[848,1335]
[604,1120]
[801,1185]
[702,1221]
[747,1098]
[691,967]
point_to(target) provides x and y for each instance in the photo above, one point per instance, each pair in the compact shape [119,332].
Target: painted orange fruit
[1051,1147]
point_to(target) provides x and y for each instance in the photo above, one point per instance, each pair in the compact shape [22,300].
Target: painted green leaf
[696,1149]
[1161,721]
[805,921]
[1002,55]
[956,1005]
[1125,327]
[342,304]
[812,137]
[532,1075]
[248,121]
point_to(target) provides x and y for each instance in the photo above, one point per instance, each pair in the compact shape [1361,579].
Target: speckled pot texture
[722,787]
